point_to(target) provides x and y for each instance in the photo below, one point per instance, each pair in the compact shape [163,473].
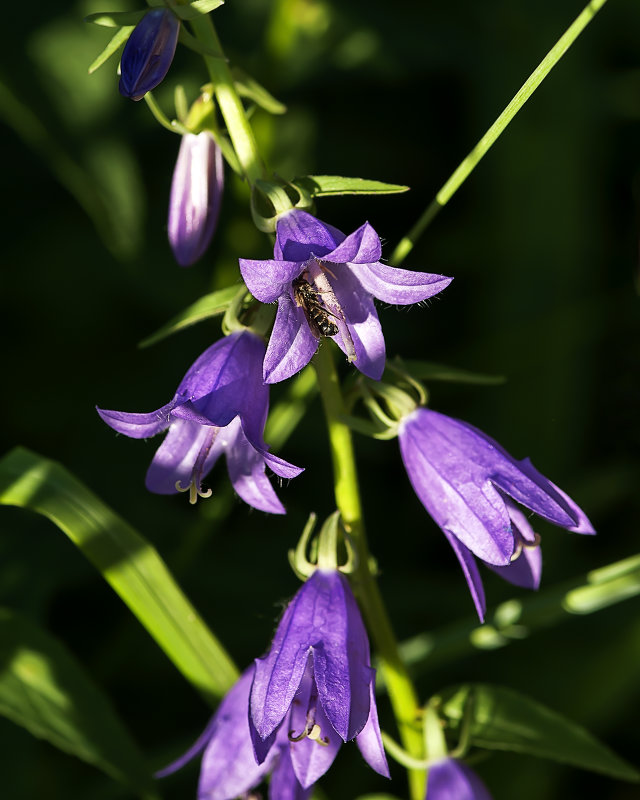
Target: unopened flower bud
[148,53]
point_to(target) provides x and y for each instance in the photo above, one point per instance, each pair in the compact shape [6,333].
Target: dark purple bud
[196,192]
[148,53]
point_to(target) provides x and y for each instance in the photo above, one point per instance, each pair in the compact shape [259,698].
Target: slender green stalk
[235,118]
[401,690]
[467,166]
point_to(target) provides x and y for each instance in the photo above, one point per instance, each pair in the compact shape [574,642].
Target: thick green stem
[402,693]
[235,117]
[466,167]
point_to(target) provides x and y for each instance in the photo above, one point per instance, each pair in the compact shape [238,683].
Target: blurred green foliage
[542,241]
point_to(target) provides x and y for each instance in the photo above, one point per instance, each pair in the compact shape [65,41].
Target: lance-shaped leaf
[116,41]
[210,305]
[45,690]
[126,560]
[247,87]
[326,185]
[430,371]
[503,719]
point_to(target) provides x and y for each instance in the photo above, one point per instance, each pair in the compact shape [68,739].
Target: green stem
[467,166]
[235,117]
[402,693]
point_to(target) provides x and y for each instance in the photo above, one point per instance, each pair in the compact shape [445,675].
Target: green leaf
[429,371]
[116,19]
[249,88]
[210,305]
[326,185]
[126,560]
[196,8]
[45,690]
[114,45]
[503,719]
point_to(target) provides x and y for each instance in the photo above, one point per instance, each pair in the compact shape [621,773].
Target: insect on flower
[308,299]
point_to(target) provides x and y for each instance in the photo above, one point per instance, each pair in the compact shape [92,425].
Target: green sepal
[46,690]
[185,38]
[210,305]
[195,9]
[430,371]
[250,89]
[126,560]
[503,719]
[328,185]
[115,43]
[116,19]
[367,428]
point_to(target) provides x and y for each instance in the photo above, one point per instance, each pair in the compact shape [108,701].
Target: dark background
[542,241]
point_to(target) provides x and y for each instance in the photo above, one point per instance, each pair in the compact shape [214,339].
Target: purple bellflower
[325,283]
[450,779]
[470,486]
[316,684]
[148,53]
[196,192]
[220,406]
[229,767]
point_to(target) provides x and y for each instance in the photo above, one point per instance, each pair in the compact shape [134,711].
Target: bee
[318,317]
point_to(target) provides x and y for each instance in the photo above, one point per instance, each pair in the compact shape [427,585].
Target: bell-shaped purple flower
[325,283]
[196,193]
[451,779]
[148,53]
[470,486]
[229,767]
[220,406]
[316,683]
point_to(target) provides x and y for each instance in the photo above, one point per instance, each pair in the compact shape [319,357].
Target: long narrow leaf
[44,689]
[126,560]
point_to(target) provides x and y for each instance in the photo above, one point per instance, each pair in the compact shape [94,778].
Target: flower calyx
[326,550]
[271,199]
[386,403]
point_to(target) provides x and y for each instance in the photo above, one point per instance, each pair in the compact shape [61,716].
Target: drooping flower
[325,283]
[148,53]
[450,779]
[196,192]
[470,486]
[220,406]
[229,767]
[316,683]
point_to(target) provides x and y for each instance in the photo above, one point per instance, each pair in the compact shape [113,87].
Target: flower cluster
[290,712]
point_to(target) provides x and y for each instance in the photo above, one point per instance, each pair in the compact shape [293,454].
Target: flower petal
[369,740]
[471,573]
[360,247]
[176,457]
[363,323]
[450,779]
[267,280]
[291,345]
[311,759]
[524,571]
[447,471]
[341,662]
[284,785]
[247,475]
[138,426]
[299,236]
[229,768]
[399,286]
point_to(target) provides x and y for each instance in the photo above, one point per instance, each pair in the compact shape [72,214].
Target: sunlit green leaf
[430,371]
[126,560]
[196,8]
[44,689]
[208,306]
[325,185]
[503,719]
[116,19]
[119,37]
[252,90]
